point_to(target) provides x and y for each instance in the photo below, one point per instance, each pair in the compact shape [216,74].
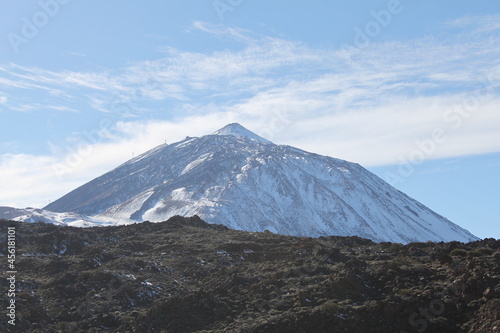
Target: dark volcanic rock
[185,275]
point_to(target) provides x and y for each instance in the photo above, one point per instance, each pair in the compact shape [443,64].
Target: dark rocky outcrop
[185,275]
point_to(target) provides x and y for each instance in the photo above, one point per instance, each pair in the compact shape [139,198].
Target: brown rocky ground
[185,275]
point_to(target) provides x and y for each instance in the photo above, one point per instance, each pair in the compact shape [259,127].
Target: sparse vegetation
[458,253]
[185,275]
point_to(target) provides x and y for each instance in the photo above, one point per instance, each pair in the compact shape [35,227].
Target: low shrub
[458,253]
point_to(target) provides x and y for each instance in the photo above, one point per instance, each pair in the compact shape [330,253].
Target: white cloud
[24,185]
[77,54]
[479,24]
[371,106]
[373,136]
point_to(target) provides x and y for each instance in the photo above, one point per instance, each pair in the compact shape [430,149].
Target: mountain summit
[237,130]
[236,178]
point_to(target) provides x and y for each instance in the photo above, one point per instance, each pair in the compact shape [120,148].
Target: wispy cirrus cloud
[370,105]
[479,24]
[38,106]
[264,64]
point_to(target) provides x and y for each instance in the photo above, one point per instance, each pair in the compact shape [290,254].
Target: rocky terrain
[185,275]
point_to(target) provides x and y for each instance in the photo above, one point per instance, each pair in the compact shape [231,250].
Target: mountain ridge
[238,179]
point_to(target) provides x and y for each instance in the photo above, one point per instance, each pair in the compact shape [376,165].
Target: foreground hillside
[185,275]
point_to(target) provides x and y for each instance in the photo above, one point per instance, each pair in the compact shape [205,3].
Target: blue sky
[408,89]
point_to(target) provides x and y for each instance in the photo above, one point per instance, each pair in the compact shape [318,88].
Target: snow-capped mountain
[39,215]
[236,178]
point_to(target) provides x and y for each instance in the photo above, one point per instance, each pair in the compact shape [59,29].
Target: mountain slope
[39,215]
[245,182]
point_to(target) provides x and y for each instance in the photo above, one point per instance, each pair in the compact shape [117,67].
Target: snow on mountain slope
[236,178]
[40,215]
